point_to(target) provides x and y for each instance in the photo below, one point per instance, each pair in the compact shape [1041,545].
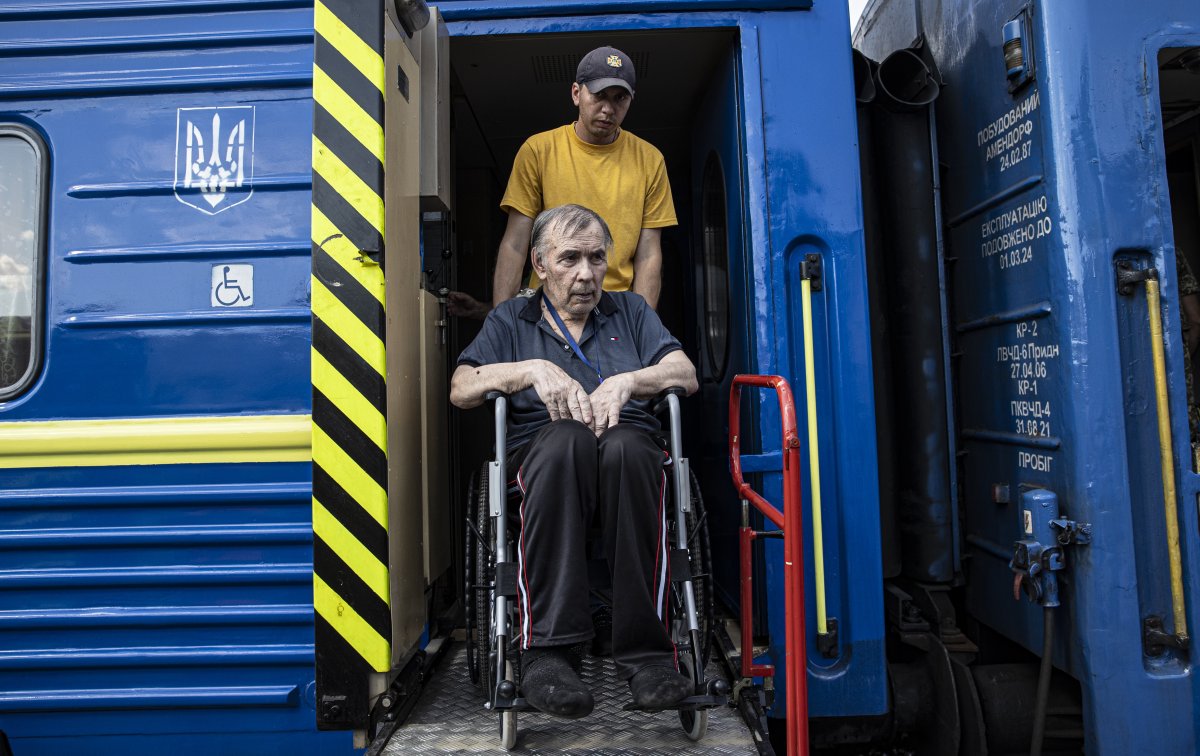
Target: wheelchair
[491,584]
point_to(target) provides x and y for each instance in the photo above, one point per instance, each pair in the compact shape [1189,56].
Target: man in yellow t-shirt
[594,163]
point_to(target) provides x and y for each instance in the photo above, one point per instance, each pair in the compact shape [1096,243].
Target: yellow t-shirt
[625,182]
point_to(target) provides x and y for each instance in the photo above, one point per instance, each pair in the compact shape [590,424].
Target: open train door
[378,412]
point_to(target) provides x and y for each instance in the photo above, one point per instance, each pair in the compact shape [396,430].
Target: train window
[22,186]
[716,266]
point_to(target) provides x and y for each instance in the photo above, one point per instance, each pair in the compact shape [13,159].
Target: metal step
[450,718]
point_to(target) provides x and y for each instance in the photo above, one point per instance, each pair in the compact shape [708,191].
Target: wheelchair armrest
[660,401]
[501,427]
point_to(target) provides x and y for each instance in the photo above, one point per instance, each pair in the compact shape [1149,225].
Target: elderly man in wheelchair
[579,368]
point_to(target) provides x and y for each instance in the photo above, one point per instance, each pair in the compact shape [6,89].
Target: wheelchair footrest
[516,704]
[692,703]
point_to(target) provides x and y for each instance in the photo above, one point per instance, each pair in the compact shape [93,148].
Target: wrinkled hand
[563,396]
[459,304]
[607,401]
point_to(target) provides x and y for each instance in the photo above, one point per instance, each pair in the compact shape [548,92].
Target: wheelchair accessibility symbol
[232,285]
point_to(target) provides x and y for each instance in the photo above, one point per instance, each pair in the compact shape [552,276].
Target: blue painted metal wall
[809,201]
[145,600]
[139,601]
[1054,384]
[799,193]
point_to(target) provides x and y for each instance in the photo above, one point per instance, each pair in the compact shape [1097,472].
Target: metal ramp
[449,718]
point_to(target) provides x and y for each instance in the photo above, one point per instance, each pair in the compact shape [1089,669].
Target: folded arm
[673,370]
[562,394]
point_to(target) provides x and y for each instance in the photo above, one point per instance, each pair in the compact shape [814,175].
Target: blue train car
[229,481]
[216,407]
[1064,142]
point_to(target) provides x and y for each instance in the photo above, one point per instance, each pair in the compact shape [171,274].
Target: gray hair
[565,221]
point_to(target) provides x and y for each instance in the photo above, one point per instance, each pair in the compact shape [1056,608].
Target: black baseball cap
[606,67]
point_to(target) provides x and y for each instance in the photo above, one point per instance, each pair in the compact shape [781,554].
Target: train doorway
[509,87]
[1179,88]
[502,90]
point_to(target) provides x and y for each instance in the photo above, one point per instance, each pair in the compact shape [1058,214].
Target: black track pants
[567,477]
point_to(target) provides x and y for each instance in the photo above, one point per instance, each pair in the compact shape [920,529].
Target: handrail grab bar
[791,523]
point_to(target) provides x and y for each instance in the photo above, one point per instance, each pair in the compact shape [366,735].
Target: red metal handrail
[792,525]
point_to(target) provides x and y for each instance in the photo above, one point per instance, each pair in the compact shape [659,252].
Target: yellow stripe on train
[349,113]
[348,185]
[346,472]
[348,399]
[348,328]
[350,550]
[352,47]
[375,649]
[350,258]
[156,441]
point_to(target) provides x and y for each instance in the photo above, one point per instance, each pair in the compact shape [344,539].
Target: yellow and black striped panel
[349,442]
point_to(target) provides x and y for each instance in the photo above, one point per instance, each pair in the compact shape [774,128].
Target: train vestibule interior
[1179,89]
[505,88]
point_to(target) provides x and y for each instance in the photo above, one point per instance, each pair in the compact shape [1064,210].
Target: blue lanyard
[570,339]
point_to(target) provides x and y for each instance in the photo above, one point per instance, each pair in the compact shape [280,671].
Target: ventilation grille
[560,69]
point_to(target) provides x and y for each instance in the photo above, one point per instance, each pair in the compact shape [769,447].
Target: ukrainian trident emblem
[214,157]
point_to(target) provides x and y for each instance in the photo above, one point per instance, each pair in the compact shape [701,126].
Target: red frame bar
[792,524]
[749,668]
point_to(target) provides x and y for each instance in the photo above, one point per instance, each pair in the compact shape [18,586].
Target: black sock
[550,684]
[658,687]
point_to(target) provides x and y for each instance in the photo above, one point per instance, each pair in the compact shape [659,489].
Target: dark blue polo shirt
[622,335]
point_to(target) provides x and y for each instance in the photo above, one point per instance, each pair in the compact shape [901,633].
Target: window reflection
[20,223]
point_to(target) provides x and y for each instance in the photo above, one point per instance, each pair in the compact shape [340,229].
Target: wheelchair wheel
[694,721]
[693,657]
[479,572]
[482,638]
[508,719]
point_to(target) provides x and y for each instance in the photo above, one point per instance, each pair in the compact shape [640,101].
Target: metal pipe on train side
[881,362]
[903,250]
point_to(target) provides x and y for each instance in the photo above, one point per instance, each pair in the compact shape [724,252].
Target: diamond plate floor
[450,718]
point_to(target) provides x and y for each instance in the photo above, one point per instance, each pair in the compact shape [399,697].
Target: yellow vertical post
[814,457]
[1167,457]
